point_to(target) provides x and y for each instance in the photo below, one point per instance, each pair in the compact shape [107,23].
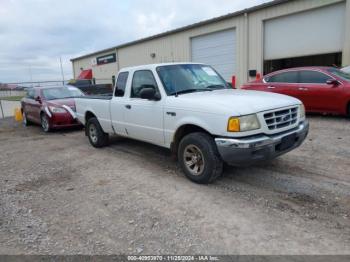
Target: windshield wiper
[190,91]
[216,86]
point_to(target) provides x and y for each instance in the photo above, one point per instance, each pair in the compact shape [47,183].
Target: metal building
[264,38]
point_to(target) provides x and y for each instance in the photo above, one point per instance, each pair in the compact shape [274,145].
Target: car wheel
[45,124]
[96,136]
[199,158]
[348,111]
[25,121]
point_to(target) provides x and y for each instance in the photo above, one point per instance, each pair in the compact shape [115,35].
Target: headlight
[302,111]
[54,109]
[243,123]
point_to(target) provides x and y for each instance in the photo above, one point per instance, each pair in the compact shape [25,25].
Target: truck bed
[98,105]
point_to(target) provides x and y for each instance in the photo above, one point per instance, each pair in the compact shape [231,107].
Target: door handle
[128,106]
[303,88]
[271,87]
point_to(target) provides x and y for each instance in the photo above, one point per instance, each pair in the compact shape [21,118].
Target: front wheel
[94,131]
[45,124]
[199,158]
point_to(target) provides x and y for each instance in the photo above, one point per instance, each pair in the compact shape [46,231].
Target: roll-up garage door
[218,50]
[317,31]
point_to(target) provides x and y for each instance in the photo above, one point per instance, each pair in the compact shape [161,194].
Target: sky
[34,34]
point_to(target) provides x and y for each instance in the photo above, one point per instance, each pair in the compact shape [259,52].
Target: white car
[190,109]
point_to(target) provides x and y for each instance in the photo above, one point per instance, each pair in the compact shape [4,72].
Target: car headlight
[243,123]
[302,111]
[54,109]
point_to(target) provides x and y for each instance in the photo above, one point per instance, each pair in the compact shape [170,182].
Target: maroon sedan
[51,107]
[321,89]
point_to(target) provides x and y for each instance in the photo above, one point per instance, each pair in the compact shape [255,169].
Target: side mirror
[332,82]
[38,99]
[149,92]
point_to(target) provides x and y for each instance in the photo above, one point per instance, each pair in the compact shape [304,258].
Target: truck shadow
[280,184]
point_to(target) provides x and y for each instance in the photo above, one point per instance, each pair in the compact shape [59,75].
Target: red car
[51,107]
[321,89]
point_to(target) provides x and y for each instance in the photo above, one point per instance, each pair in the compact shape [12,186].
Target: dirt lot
[59,195]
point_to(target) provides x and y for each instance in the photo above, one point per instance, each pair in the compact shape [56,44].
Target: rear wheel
[199,158]
[25,121]
[45,124]
[95,133]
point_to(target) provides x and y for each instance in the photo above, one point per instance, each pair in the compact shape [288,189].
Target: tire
[45,124]
[348,110]
[96,136]
[199,158]
[25,121]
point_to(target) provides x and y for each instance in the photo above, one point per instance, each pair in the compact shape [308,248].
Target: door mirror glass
[149,92]
[332,82]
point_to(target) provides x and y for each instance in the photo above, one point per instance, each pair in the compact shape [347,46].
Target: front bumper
[63,120]
[247,151]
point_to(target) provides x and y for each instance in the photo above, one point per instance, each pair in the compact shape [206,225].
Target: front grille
[281,118]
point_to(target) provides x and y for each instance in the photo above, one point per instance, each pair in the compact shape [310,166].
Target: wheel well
[183,131]
[88,115]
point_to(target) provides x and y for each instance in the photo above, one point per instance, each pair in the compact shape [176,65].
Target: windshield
[58,93]
[340,73]
[189,78]
[75,91]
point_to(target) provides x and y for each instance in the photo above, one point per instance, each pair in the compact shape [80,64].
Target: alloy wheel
[93,133]
[24,117]
[194,160]
[45,123]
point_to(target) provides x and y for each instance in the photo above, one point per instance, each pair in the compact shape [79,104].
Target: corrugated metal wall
[177,46]
[256,25]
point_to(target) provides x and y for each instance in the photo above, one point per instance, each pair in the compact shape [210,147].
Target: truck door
[117,104]
[143,118]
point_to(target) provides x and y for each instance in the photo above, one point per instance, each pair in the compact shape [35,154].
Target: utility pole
[62,71]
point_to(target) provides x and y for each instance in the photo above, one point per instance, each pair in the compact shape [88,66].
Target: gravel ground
[59,195]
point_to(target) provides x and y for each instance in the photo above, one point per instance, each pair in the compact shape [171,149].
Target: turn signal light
[233,124]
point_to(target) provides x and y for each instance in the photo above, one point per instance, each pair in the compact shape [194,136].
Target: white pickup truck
[191,110]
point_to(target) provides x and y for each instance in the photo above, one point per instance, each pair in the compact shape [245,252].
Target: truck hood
[231,101]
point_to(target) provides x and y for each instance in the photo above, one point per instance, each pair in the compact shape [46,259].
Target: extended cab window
[142,79]
[286,77]
[121,84]
[313,77]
